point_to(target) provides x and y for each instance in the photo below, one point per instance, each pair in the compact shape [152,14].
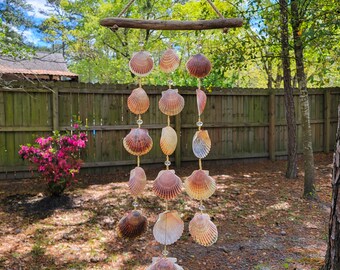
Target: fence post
[327,123]
[55,109]
[178,147]
[271,129]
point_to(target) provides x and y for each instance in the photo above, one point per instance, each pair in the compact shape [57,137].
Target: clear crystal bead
[201,207]
[170,82]
[139,121]
[199,46]
[135,204]
[165,252]
[167,163]
[199,123]
[141,43]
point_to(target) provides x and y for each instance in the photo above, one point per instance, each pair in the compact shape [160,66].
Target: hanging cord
[225,30]
[126,8]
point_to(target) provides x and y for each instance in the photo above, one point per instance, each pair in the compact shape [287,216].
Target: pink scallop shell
[201,100]
[137,181]
[167,185]
[141,63]
[199,185]
[138,142]
[138,101]
[168,140]
[169,61]
[201,143]
[198,66]
[171,103]
[203,230]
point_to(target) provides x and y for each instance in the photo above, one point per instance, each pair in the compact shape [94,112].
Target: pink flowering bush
[57,158]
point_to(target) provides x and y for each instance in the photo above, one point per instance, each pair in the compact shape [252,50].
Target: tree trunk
[279,77]
[332,259]
[288,93]
[309,188]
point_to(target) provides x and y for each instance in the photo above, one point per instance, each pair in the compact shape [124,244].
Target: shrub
[57,158]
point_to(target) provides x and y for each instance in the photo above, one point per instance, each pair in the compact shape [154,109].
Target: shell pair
[132,225]
[201,144]
[138,142]
[138,102]
[203,230]
[168,228]
[167,185]
[164,264]
[199,185]
[171,103]
[137,181]
[198,66]
[141,63]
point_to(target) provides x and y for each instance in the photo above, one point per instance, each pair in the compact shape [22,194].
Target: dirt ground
[263,221]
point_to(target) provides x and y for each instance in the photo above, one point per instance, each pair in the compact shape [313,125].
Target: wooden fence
[242,123]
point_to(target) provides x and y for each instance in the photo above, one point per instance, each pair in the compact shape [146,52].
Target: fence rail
[242,123]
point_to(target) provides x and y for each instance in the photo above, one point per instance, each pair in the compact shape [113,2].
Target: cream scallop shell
[203,230]
[168,140]
[199,185]
[169,61]
[164,264]
[201,100]
[138,101]
[171,103]
[132,225]
[138,142]
[141,63]
[201,143]
[168,228]
[167,185]
[137,181]
[198,66]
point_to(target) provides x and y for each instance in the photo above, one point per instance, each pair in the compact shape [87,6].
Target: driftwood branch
[115,22]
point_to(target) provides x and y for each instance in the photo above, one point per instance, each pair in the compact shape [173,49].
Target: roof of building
[40,64]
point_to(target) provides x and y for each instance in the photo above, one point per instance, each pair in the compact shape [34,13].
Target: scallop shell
[201,143]
[198,66]
[169,61]
[141,63]
[168,140]
[168,228]
[164,264]
[199,185]
[138,142]
[171,103]
[203,230]
[137,181]
[167,185]
[201,100]
[138,102]
[132,225]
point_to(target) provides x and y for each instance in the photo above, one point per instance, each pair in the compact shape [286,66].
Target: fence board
[237,121]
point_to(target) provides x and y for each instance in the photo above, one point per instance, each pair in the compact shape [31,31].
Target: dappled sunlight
[280,206]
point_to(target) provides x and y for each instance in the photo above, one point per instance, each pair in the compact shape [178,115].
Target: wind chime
[199,185]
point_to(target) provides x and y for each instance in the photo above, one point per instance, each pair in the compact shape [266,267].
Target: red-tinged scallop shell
[168,228]
[164,264]
[171,103]
[203,230]
[199,185]
[137,181]
[201,144]
[138,142]
[138,101]
[132,225]
[168,140]
[201,100]
[141,63]
[169,61]
[198,66]
[167,185]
